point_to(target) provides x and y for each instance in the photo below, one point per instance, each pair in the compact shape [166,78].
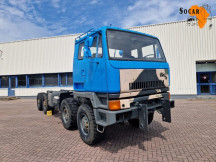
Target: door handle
[83,72]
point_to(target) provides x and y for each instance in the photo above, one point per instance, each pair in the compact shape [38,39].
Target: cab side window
[81,52]
[96,51]
[100,50]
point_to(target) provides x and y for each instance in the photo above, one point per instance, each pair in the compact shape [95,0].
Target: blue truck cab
[118,75]
[97,68]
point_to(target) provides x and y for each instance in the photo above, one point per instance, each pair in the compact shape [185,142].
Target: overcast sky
[27,19]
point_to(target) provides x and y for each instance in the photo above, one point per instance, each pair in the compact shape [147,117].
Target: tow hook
[100,131]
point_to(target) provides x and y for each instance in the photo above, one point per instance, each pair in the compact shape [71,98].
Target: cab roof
[103,29]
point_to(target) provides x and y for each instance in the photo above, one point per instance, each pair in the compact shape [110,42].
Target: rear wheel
[40,101]
[45,103]
[68,110]
[87,125]
[135,122]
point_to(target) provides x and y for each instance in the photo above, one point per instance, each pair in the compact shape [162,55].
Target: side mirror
[157,53]
[90,41]
[87,51]
[120,52]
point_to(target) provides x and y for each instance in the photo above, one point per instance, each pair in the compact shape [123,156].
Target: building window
[13,82]
[21,80]
[69,79]
[4,82]
[63,79]
[51,79]
[214,77]
[35,80]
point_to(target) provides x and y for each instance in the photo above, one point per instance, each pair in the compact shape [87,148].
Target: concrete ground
[28,135]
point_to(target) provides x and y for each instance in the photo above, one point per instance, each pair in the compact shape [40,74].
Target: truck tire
[45,106]
[87,125]
[40,101]
[135,122]
[68,108]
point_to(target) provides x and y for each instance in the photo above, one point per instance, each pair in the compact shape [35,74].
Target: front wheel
[87,125]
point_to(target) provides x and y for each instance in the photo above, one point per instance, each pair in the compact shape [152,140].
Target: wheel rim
[65,114]
[84,124]
[44,104]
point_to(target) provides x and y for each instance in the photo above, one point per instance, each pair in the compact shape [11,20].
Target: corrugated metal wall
[46,55]
[183,45]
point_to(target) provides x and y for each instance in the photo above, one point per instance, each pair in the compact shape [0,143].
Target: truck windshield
[131,46]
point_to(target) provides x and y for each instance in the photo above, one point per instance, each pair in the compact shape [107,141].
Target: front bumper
[139,110]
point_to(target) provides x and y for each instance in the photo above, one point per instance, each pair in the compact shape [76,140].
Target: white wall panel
[3,92]
[45,55]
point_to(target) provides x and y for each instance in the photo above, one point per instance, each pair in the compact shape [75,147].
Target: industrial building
[31,66]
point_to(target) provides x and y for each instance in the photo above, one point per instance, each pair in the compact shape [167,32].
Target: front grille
[147,85]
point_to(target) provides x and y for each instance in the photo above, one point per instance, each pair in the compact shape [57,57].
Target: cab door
[95,80]
[79,67]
